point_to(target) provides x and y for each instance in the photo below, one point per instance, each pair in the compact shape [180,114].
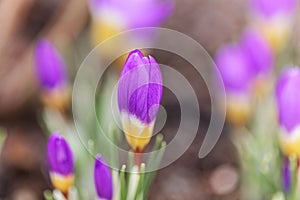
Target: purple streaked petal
[288,98]
[103,179]
[258,51]
[60,157]
[268,8]
[235,69]
[50,67]
[140,87]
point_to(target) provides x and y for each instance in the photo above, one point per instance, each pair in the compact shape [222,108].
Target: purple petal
[235,69]
[137,14]
[258,51]
[288,98]
[103,179]
[270,8]
[50,67]
[60,156]
[140,87]
[286,176]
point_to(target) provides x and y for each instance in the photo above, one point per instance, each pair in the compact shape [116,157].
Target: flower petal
[103,179]
[50,67]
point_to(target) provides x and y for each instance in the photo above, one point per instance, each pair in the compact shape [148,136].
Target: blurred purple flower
[103,179]
[235,69]
[59,155]
[139,95]
[271,8]
[286,176]
[50,67]
[259,53]
[134,13]
[61,163]
[288,99]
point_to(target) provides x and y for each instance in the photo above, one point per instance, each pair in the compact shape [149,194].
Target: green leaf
[149,176]
[140,188]
[48,195]
[123,187]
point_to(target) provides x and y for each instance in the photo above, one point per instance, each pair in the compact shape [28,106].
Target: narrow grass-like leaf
[133,181]
[140,188]
[149,176]
[123,187]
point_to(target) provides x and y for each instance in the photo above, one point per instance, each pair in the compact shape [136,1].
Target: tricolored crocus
[288,98]
[274,18]
[61,163]
[103,179]
[238,78]
[113,16]
[139,95]
[51,74]
[260,57]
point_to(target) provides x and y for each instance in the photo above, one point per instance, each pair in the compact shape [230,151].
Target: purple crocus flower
[235,69]
[259,53]
[133,13]
[274,19]
[288,98]
[139,95]
[267,8]
[61,163]
[50,67]
[103,179]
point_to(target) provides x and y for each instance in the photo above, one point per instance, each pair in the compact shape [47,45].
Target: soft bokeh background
[66,23]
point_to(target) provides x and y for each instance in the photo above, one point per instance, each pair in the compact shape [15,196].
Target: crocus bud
[288,98]
[114,16]
[103,179]
[260,58]
[274,18]
[139,95]
[61,164]
[238,77]
[258,51]
[51,74]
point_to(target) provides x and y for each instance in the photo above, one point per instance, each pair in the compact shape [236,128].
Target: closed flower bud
[103,179]
[260,57]
[52,76]
[238,77]
[288,105]
[61,164]
[258,51]
[139,95]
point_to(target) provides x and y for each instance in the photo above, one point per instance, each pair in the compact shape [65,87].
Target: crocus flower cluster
[288,98]
[244,68]
[139,95]
[52,75]
[274,18]
[113,16]
[61,163]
